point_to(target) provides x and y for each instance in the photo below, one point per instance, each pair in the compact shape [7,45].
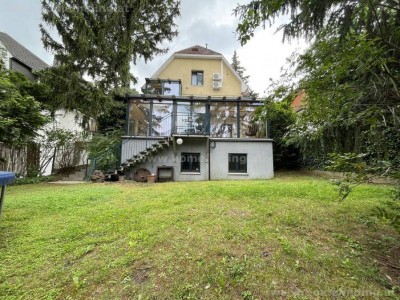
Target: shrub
[34,180]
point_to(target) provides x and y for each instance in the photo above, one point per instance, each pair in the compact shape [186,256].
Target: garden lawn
[283,238]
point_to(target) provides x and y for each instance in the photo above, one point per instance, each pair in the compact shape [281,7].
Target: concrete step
[78,175]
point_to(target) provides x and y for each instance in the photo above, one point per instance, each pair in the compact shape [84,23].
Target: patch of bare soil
[141,275]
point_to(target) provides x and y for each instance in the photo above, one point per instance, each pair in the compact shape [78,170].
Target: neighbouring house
[18,58]
[193,123]
[298,102]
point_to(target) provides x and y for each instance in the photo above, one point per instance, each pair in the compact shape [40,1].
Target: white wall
[66,120]
[167,157]
[259,159]
[69,120]
[7,58]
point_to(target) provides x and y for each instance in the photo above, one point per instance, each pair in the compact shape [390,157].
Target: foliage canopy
[309,17]
[350,74]
[20,113]
[102,38]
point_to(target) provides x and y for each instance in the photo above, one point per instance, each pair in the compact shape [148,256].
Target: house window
[190,162]
[237,163]
[197,77]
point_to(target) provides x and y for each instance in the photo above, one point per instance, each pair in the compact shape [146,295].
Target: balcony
[162,116]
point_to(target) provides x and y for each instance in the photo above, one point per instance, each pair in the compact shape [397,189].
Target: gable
[20,53]
[180,65]
[19,67]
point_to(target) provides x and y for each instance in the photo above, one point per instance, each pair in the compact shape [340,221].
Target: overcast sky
[201,22]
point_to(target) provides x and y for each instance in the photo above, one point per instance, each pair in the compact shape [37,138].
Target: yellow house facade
[201,72]
[194,122]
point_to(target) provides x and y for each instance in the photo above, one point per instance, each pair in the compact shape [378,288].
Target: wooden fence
[27,161]
[20,160]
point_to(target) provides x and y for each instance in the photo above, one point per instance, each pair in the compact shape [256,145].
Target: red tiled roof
[198,50]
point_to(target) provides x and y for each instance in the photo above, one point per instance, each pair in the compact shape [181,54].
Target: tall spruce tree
[102,38]
[240,70]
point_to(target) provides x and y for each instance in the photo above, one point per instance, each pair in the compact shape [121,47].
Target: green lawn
[285,238]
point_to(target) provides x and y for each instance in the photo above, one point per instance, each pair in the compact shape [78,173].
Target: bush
[280,116]
[34,180]
[105,149]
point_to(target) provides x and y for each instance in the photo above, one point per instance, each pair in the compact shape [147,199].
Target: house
[192,123]
[298,102]
[18,58]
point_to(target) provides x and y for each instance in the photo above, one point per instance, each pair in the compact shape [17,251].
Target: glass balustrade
[215,119]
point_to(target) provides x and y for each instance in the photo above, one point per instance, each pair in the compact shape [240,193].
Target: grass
[284,238]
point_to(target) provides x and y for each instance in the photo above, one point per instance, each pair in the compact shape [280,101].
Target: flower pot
[151,178]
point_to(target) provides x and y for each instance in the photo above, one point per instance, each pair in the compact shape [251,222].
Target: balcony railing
[193,124]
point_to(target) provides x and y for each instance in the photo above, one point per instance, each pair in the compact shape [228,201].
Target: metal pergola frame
[194,98]
[152,98]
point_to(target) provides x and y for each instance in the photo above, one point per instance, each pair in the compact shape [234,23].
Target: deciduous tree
[350,73]
[20,113]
